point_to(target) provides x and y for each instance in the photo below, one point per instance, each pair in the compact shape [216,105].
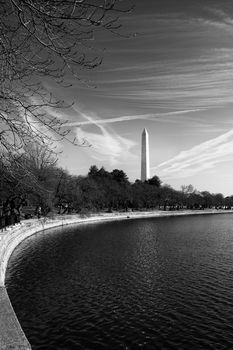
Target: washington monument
[145,166]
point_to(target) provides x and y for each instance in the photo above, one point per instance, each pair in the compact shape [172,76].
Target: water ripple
[146,284]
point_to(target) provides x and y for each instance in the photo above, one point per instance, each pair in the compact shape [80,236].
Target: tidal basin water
[162,283]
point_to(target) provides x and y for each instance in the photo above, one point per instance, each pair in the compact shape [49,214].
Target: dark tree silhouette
[155,181]
[119,176]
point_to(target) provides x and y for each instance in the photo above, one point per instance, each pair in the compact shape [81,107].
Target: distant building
[145,164]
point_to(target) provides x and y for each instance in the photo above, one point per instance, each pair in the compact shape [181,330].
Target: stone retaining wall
[11,333]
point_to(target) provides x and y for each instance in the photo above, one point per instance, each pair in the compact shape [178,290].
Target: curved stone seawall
[12,237]
[11,333]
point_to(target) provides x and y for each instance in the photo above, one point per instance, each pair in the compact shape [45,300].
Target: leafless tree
[32,172]
[38,39]
[39,156]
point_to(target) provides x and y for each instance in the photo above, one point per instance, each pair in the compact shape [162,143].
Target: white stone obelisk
[145,166]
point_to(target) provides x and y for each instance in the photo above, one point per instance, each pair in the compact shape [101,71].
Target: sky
[170,71]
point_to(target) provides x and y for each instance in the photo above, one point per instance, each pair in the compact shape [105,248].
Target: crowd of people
[11,211]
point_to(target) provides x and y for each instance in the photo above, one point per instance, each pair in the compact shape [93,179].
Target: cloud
[183,66]
[149,116]
[107,145]
[194,85]
[219,17]
[199,158]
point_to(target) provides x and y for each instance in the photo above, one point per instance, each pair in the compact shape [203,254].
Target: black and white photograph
[116,185]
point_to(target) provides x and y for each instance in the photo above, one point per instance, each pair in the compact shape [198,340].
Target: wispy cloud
[149,116]
[199,158]
[179,59]
[187,85]
[106,144]
[220,17]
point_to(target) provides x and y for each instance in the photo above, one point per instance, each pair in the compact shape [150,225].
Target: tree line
[48,40]
[36,180]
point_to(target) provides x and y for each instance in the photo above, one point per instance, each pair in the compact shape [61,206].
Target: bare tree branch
[40,38]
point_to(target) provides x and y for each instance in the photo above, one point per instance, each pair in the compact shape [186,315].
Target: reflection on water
[164,283]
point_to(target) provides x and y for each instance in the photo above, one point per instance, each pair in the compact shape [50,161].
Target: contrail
[132,117]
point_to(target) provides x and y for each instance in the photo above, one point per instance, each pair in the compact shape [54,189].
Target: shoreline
[102,217]
[160,213]
[12,236]
[11,333]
